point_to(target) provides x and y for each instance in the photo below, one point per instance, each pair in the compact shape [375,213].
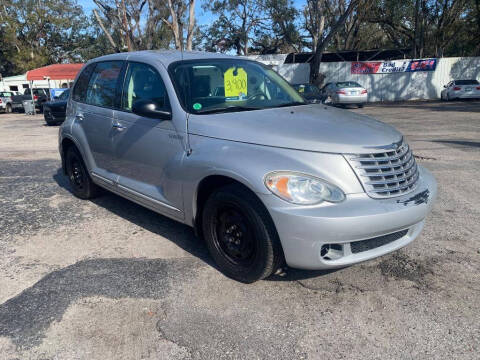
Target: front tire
[80,181]
[48,116]
[360,105]
[8,109]
[240,235]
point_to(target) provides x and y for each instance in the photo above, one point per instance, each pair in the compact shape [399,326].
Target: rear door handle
[118,126]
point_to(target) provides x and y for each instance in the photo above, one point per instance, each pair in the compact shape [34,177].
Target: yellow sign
[235,82]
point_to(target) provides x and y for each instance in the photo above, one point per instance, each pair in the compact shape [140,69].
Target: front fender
[249,163]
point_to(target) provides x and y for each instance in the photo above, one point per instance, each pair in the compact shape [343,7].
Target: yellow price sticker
[235,82]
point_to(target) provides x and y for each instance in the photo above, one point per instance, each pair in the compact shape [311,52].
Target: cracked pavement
[108,279]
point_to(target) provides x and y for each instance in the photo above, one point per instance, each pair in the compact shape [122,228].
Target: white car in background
[461,89]
[344,92]
[6,101]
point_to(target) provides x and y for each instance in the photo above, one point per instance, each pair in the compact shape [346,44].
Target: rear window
[347,84]
[466,82]
[103,82]
[80,89]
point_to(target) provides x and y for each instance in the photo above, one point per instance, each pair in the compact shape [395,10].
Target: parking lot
[108,279]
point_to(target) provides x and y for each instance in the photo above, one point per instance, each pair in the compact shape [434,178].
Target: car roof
[166,57]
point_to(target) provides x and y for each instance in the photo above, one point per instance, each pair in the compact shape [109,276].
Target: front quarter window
[219,85]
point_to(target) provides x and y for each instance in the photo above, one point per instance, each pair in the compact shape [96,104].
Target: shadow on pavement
[459,143]
[25,317]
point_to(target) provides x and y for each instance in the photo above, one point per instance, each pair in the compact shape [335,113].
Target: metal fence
[393,86]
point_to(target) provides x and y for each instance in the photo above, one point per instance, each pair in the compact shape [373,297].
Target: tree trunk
[317,59]
[107,34]
[415,32]
[191,24]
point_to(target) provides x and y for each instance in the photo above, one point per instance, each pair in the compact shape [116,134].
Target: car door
[95,97]
[147,150]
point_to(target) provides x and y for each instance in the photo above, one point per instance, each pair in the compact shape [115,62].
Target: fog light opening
[331,251]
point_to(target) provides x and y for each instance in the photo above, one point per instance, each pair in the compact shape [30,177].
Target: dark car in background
[40,97]
[54,111]
[310,92]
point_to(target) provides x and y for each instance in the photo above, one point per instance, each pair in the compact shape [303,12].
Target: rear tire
[8,109]
[240,235]
[360,105]
[80,181]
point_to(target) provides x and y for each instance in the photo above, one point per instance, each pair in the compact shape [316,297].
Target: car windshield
[348,84]
[466,82]
[64,95]
[230,85]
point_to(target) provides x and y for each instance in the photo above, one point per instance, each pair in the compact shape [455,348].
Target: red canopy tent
[55,72]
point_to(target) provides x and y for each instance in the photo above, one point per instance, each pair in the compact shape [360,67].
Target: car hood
[307,127]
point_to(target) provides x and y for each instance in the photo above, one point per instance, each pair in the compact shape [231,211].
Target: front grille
[369,244]
[386,174]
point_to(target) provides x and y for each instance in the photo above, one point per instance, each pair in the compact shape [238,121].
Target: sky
[202,17]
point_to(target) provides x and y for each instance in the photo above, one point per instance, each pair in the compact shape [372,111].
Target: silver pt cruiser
[227,146]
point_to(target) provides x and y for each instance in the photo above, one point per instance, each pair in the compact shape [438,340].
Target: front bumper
[304,230]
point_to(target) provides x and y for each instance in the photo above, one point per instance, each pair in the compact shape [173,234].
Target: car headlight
[302,189]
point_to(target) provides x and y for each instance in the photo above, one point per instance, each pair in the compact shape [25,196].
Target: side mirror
[445,86]
[150,109]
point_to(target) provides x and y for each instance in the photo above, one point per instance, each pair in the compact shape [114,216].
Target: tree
[315,13]
[133,24]
[279,33]
[37,33]
[236,24]
[176,20]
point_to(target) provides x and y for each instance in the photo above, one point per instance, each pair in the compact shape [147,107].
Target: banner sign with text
[394,66]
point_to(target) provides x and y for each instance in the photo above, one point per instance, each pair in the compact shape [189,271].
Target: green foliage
[39,33]
[35,33]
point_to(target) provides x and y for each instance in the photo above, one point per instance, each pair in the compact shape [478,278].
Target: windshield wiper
[227,109]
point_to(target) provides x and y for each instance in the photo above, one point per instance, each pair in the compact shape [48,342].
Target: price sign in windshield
[235,82]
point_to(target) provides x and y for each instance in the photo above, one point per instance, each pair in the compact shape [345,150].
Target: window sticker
[197,106]
[301,89]
[235,82]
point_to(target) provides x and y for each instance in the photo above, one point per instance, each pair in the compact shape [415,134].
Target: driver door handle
[79,117]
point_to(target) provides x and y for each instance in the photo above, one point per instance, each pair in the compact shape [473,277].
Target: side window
[80,89]
[102,84]
[143,82]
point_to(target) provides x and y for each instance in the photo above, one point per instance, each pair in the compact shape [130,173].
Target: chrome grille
[386,174]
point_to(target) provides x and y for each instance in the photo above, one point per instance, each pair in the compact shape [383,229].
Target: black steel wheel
[240,234]
[48,116]
[80,181]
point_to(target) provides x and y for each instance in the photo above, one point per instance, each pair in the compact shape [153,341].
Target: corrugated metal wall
[394,86]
